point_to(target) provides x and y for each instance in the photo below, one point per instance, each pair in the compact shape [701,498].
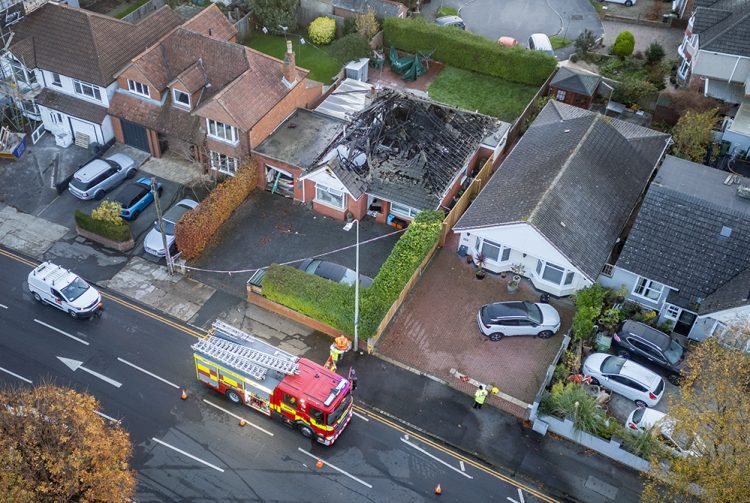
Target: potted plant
[480,263]
[513,284]
[518,270]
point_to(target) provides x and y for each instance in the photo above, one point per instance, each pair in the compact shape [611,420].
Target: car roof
[449,20]
[511,309]
[650,334]
[91,170]
[650,417]
[129,192]
[639,373]
[331,271]
[174,213]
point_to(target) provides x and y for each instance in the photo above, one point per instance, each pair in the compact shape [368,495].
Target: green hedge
[469,51]
[115,232]
[333,304]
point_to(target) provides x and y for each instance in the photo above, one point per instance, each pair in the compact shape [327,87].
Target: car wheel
[496,336]
[131,173]
[641,404]
[135,215]
[546,334]
[37,297]
[675,379]
[623,354]
[99,195]
[628,4]
[73,314]
[233,396]
[306,431]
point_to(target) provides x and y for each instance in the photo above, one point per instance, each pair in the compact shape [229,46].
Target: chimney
[289,67]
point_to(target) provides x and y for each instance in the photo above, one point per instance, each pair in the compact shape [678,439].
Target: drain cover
[601,487]
[576,17]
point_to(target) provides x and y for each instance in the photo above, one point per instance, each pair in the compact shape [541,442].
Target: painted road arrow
[75,365]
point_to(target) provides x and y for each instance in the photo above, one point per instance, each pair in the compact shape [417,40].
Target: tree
[275,13]
[585,42]
[692,134]
[55,447]
[350,47]
[624,44]
[654,53]
[713,406]
[367,24]
[631,90]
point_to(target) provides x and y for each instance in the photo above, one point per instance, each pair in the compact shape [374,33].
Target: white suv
[625,377]
[518,318]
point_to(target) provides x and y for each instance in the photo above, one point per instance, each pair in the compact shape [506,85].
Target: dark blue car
[136,197]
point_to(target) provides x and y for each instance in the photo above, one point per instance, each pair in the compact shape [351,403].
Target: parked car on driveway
[136,197]
[625,377]
[627,3]
[333,272]
[453,21]
[643,342]
[642,419]
[153,244]
[99,176]
[518,318]
[541,42]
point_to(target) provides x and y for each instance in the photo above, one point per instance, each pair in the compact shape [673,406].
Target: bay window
[553,273]
[495,252]
[329,196]
[403,210]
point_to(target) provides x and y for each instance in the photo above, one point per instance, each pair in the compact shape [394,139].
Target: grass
[559,42]
[446,11]
[599,7]
[489,95]
[130,8]
[322,66]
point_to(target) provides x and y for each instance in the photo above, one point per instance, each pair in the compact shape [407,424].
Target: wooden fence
[480,180]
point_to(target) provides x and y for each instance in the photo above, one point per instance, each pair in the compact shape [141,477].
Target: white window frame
[556,268]
[501,253]
[215,127]
[179,103]
[646,285]
[223,163]
[541,267]
[26,76]
[560,95]
[403,210]
[568,278]
[672,312]
[332,192]
[56,118]
[138,88]
[56,81]
[80,86]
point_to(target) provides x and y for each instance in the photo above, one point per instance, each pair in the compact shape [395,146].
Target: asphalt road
[135,362]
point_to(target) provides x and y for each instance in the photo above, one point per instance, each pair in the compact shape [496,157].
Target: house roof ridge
[731,21]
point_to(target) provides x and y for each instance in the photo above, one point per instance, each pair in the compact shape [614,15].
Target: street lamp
[348,227]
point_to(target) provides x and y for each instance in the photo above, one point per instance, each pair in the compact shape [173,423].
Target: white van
[63,289]
[540,42]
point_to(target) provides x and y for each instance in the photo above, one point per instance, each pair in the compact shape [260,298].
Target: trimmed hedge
[333,304]
[197,226]
[115,231]
[469,51]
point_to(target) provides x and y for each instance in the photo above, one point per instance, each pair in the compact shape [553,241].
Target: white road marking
[520,498]
[461,463]
[360,416]
[188,455]
[75,365]
[404,440]
[3,306]
[239,417]
[105,416]
[147,372]
[335,468]
[66,334]
[16,375]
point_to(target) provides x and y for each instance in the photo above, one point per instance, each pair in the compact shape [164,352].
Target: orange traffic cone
[438,489]
[243,422]
[184,395]
[319,464]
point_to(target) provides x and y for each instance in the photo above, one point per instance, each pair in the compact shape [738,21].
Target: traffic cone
[438,490]
[319,464]
[184,395]
[243,422]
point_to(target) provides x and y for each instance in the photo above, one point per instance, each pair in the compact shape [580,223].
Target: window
[56,118]
[220,131]
[316,414]
[672,312]
[404,211]
[560,95]
[56,79]
[22,74]
[290,400]
[648,289]
[329,196]
[138,88]
[181,98]
[87,90]
[569,278]
[645,348]
[553,273]
[495,252]
[224,163]
[539,265]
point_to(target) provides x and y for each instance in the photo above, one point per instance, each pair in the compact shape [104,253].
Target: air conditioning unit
[357,70]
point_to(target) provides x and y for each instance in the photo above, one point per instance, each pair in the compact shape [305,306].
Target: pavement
[669,38]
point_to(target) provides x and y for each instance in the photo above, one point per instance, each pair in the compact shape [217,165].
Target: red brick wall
[117,128]
[239,151]
[358,207]
[327,210]
[299,97]
[295,171]
[309,192]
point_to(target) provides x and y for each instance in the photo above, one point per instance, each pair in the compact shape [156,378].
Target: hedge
[333,304]
[116,232]
[469,51]
[197,226]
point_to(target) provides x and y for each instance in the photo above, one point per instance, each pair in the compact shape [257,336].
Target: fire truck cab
[300,392]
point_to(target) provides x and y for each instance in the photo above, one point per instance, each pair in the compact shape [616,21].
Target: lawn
[321,65]
[559,42]
[489,95]
[130,8]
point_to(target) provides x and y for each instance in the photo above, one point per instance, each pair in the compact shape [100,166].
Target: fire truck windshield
[336,414]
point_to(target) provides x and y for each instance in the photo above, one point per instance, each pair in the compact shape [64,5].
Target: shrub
[624,44]
[350,25]
[118,232]
[643,443]
[196,227]
[568,399]
[585,42]
[108,211]
[466,50]
[322,30]
[350,47]
[367,24]
[589,304]
[632,90]
[446,11]
[272,13]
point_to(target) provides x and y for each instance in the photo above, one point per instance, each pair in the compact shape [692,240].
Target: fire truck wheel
[305,430]
[233,396]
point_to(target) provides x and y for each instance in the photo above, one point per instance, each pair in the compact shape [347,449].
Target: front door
[135,135]
[685,322]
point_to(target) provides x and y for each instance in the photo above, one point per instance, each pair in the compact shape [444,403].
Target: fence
[517,128]
[144,10]
[549,374]
[244,27]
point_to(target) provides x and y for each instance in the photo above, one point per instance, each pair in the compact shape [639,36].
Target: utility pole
[157,203]
[356,288]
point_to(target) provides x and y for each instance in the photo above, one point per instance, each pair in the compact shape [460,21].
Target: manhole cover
[576,17]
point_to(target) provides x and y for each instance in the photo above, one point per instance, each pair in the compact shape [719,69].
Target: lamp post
[347,227]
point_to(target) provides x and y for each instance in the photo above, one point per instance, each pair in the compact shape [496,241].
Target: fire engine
[300,392]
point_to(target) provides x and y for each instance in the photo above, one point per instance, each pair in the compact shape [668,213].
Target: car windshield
[674,352]
[638,415]
[74,290]
[612,364]
[168,227]
[535,314]
[336,414]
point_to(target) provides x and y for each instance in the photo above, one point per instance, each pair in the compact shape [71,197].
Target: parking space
[436,330]
[620,407]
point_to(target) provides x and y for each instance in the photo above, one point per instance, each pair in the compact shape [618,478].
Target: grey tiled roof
[575,81]
[355,184]
[676,238]
[574,175]
[733,293]
[723,26]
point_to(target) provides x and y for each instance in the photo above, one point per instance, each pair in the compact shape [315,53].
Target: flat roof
[349,98]
[741,122]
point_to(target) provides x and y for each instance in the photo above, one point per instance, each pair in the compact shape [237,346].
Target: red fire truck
[300,392]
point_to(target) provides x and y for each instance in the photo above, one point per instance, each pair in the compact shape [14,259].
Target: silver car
[153,243]
[99,176]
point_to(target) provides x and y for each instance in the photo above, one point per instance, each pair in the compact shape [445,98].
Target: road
[136,363]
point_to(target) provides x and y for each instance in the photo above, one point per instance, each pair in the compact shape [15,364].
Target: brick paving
[436,330]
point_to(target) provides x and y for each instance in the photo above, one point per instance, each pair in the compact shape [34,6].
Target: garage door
[135,135]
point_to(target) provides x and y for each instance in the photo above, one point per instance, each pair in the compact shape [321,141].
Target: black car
[650,345]
[333,272]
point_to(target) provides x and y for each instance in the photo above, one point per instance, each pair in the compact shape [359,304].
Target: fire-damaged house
[398,156]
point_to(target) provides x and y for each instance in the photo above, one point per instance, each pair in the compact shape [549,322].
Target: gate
[135,135]
[37,133]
